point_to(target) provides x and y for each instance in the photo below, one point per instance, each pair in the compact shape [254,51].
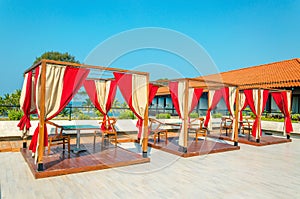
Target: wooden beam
[86,66]
[208,98]
[225,84]
[185,114]
[271,90]
[236,115]
[259,115]
[195,80]
[100,79]
[289,95]
[42,113]
[146,119]
[33,67]
[114,69]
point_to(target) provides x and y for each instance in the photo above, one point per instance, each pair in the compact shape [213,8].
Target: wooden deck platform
[11,146]
[264,140]
[201,147]
[95,157]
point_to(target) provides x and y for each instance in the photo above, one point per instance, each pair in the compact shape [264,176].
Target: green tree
[57,56]
[124,105]
[65,112]
[116,104]
[88,104]
[9,101]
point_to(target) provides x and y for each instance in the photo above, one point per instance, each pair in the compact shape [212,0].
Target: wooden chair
[58,138]
[109,132]
[246,125]
[198,128]
[157,131]
[226,123]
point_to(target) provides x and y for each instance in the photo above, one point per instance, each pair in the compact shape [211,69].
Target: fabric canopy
[27,103]
[62,83]
[177,91]
[253,101]
[134,90]
[215,97]
[228,94]
[102,94]
[152,92]
[243,104]
[283,101]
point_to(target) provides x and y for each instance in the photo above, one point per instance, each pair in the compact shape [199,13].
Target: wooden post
[185,115]
[259,111]
[208,98]
[145,136]
[42,116]
[236,115]
[289,100]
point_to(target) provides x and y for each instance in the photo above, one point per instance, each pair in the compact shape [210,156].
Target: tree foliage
[12,99]
[9,101]
[57,56]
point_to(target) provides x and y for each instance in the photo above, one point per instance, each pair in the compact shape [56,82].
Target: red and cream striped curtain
[283,101]
[243,104]
[102,94]
[134,90]
[62,83]
[230,98]
[152,92]
[27,103]
[228,94]
[252,100]
[214,98]
[177,91]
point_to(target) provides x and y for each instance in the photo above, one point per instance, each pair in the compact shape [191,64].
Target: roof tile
[278,74]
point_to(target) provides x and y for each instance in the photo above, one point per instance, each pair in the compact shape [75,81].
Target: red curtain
[34,138]
[225,94]
[243,108]
[249,97]
[25,120]
[152,92]
[281,100]
[250,101]
[196,96]
[72,81]
[91,90]
[173,87]
[197,92]
[125,86]
[216,98]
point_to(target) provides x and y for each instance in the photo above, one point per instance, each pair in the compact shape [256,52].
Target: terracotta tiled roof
[163,90]
[274,75]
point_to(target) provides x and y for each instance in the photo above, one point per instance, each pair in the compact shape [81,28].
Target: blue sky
[234,33]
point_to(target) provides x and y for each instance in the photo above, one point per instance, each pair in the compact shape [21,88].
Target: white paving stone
[251,172]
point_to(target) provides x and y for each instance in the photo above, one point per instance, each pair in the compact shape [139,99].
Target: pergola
[50,85]
[185,94]
[234,96]
[256,98]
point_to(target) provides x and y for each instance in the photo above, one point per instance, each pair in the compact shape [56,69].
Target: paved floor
[251,172]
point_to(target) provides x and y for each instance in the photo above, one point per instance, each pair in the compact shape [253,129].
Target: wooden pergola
[206,85]
[42,99]
[259,101]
